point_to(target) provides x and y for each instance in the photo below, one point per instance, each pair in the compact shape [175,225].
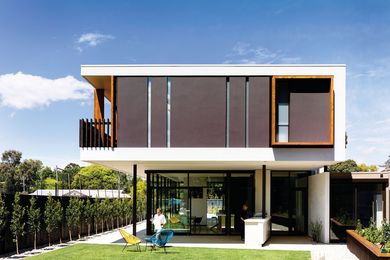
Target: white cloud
[93,39]
[25,91]
[245,53]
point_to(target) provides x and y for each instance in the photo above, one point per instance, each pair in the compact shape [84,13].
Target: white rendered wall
[259,192]
[318,203]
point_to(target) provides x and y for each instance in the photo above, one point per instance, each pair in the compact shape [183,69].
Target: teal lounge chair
[160,239]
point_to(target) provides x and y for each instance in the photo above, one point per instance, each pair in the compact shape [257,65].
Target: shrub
[359,227]
[316,229]
[347,166]
[385,233]
[371,233]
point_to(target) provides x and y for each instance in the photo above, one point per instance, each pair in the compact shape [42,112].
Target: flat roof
[214,65]
[211,69]
[100,75]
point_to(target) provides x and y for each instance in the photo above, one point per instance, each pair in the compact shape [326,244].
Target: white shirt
[158,221]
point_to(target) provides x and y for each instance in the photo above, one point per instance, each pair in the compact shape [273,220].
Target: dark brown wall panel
[237,112]
[132,111]
[159,112]
[309,117]
[198,111]
[259,112]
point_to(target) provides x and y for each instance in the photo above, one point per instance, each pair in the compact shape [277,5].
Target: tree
[11,157]
[17,175]
[129,210]
[34,219]
[73,215]
[347,166]
[367,168]
[50,183]
[52,215]
[10,160]
[17,223]
[67,174]
[141,199]
[45,173]
[89,214]
[97,215]
[116,210]
[108,209]
[387,164]
[28,173]
[102,213]
[95,177]
[3,214]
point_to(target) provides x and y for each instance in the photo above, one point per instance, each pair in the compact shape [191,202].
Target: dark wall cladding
[309,110]
[132,111]
[259,112]
[237,112]
[198,112]
[198,116]
[159,112]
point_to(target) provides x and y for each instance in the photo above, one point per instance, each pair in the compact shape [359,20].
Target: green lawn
[87,251]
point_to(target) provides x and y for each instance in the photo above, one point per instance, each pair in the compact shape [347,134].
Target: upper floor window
[302,110]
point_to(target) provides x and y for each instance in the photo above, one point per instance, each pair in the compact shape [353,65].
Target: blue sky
[46,41]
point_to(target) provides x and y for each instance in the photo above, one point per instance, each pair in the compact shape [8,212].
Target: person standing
[158,220]
[243,214]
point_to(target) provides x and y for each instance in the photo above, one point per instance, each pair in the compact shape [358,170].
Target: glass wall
[289,202]
[169,194]
[200,202]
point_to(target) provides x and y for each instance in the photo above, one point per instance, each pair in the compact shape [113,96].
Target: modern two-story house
[210,138]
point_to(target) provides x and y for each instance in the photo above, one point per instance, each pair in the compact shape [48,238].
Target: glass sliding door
[280,206]
[289,202]
[169,194]
[208,201]
[241,192]
[199,202]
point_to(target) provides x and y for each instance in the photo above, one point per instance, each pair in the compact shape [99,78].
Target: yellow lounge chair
[130,239]
[174,220]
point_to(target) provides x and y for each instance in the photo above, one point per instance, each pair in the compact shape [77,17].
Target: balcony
[95,133]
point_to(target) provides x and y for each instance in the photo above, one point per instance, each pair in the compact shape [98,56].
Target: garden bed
[363,248]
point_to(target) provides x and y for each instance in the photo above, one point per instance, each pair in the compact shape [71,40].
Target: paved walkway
[318,251]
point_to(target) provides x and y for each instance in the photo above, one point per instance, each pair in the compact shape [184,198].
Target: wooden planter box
[364,249]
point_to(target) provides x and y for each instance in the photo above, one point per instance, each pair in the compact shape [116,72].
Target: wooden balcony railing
[95,133]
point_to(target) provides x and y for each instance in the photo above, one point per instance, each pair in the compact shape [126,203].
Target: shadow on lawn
[153,252]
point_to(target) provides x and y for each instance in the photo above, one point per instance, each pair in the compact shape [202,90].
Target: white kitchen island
[257,231]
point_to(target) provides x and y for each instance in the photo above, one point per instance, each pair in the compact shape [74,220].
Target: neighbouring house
[357,196]
[101,194]
[209,138]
